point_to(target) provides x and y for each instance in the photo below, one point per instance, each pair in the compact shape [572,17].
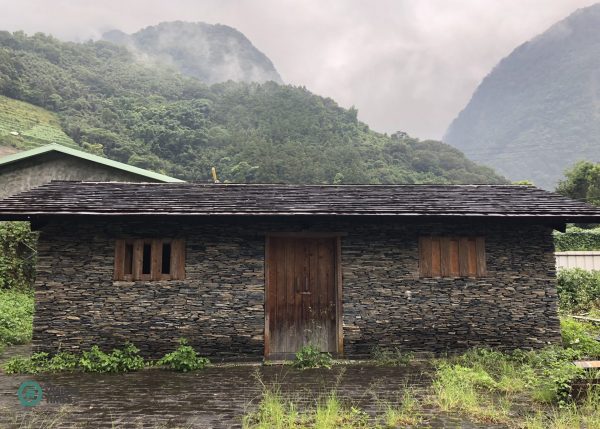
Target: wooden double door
[303,299]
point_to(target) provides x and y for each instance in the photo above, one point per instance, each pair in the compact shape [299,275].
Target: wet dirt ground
[216,397]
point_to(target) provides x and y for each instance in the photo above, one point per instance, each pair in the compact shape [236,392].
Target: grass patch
[274,411]
[495,387]
[405,413]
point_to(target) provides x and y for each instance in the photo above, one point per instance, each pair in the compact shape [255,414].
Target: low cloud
[407,65]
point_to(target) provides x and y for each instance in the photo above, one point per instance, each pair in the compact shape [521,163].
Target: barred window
[149,259]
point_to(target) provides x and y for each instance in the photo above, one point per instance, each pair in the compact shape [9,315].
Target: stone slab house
[24,170]
[253,271]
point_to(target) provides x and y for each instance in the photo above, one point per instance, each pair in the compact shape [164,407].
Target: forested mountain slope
[154,117]
[538,111]
[211,53]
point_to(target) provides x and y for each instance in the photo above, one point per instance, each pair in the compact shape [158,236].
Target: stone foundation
[219,308]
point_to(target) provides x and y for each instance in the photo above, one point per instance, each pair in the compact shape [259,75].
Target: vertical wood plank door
[301,295]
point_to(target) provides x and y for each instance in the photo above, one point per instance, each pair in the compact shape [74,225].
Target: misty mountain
[538,111]
[211,53]
[152,117]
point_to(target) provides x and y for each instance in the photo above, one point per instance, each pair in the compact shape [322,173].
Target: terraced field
[25,126]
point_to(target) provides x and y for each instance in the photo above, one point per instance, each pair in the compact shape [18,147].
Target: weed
[310,357]
[94,360]
[184,358]
[407,412]
[391,357]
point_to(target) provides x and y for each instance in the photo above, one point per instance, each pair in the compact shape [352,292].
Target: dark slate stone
[220,305]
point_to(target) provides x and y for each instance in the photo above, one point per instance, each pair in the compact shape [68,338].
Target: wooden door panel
[301,294]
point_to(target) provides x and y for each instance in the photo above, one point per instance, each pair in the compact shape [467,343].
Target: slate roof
[49,148]
[189,199]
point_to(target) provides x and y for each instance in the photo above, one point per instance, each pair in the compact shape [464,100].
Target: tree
[582,182]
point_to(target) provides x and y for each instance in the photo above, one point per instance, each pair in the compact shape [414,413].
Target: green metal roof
[16,157]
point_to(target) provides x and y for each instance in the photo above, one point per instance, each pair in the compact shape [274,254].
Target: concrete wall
[23,175]
[220,305]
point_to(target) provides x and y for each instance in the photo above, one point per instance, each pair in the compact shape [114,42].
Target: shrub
[578,289]
[17,255]
[63,361]
[391,357]
[16,316]
[37,362]
[309,356]
[577,239]
[184,359]
[578,336]
[556,382]
[128,358]
[119,360]
[94,360]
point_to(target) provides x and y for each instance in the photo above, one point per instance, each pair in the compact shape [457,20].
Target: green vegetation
[24,126]
[275,411]
[310,357]
[575,238]
[119,360]
[581,337]
[16,317]
[485,384]
[391,356]
[534,114]
[184,359]
[153,117]
[17,255]
[582,182]
[42,362]
[407,412]
[125,359]
[578,290]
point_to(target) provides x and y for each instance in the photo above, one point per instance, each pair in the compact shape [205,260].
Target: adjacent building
[25,170]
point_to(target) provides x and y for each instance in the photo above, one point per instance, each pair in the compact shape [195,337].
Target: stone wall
[220,305]
[24,175]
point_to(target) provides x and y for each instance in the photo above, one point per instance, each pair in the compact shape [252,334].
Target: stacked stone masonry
[219,307]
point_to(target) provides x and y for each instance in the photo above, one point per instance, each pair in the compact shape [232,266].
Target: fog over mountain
[211,53]
[407,65]
[538,111]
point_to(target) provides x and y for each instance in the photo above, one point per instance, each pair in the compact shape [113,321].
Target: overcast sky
[408,65]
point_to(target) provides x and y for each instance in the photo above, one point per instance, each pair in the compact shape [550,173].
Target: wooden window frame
[452,257]
[177,263]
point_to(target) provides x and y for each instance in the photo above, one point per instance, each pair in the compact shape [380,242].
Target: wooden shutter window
[149,259]
[452,256]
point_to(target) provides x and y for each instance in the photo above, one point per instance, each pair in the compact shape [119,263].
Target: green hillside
[154,117]
[24,126]
[538,111]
